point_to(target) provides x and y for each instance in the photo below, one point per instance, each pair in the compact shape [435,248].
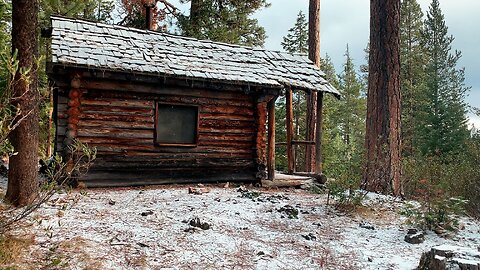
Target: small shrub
[345,193]
[442,213]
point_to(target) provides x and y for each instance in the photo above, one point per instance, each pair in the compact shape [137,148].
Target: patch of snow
[148,229]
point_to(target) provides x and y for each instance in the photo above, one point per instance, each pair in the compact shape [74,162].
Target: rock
[147,213]
[450,257]
[198,190]
[289,210]
[309,236]
[260,253]
[111,202]
[412,231]
[366,226]
[415,238]
[197,223]
[440,230]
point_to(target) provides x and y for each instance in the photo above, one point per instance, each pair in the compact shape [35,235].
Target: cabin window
[176,125]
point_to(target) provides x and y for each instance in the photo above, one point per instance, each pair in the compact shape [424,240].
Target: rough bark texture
[22,176]
[314,55]
[382,171]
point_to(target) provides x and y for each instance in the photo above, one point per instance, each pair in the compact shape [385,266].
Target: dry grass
[13,249]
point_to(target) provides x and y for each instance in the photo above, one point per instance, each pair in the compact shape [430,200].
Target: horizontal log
[119,118]
[174,164]
[226,123]
[227,110]
[225,116]
[121,180]
[148,157]
[243,145]
[88,123]
[154,89]
[116,133]
[112,102]
[106,110]
[204,130]
[101,147]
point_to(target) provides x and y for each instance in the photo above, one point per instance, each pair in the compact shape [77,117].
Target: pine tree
[412,73]
[224,20]
[22,175]
[382,140]
[5,17]
[349,121]
[444,125]
[296,41]
[331,131]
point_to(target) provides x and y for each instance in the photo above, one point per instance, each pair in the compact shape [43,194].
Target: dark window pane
[176,124]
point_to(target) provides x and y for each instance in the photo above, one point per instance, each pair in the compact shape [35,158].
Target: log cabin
[162,108]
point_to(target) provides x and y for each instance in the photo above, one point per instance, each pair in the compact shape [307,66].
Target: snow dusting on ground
[151,228]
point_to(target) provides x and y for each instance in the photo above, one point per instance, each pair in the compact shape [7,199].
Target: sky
[345,22]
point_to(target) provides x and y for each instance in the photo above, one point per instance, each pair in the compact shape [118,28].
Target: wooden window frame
[197,125]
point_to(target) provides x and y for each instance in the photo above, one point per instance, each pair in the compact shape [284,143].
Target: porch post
[290,149]
[271,139]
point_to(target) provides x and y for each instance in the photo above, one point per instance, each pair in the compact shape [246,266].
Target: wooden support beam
[318,134]
[271,139]
[290,148]
[294,142]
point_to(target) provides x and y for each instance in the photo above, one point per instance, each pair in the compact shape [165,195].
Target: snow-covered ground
[149,229]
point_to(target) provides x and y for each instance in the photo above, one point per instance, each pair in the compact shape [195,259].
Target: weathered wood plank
[116,133]
[107,110]
[271,140]
[155,89]
[88,124]
[111,102]
[115,117]
[289,120]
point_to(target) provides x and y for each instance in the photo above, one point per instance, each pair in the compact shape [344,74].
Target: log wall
[118,118]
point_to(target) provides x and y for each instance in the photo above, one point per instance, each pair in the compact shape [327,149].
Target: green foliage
[5,18]
[9,114]
[438,214]
[96,10]
[345,192]
[443,121]
[225,21]
[438,177]
[412,74]
[296,41]
[345,126]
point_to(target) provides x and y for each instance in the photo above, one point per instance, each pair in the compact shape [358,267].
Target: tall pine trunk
[314,56]
[22,176]
[382,140]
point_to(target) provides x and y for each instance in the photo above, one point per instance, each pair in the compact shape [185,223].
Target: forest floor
[165,227]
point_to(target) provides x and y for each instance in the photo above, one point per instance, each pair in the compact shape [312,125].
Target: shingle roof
[97,45]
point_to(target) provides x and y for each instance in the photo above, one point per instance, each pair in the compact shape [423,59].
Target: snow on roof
[96,45]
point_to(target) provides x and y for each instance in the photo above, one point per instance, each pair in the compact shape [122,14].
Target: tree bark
[195,15]
[382,140]
[22,176]
[312,113]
